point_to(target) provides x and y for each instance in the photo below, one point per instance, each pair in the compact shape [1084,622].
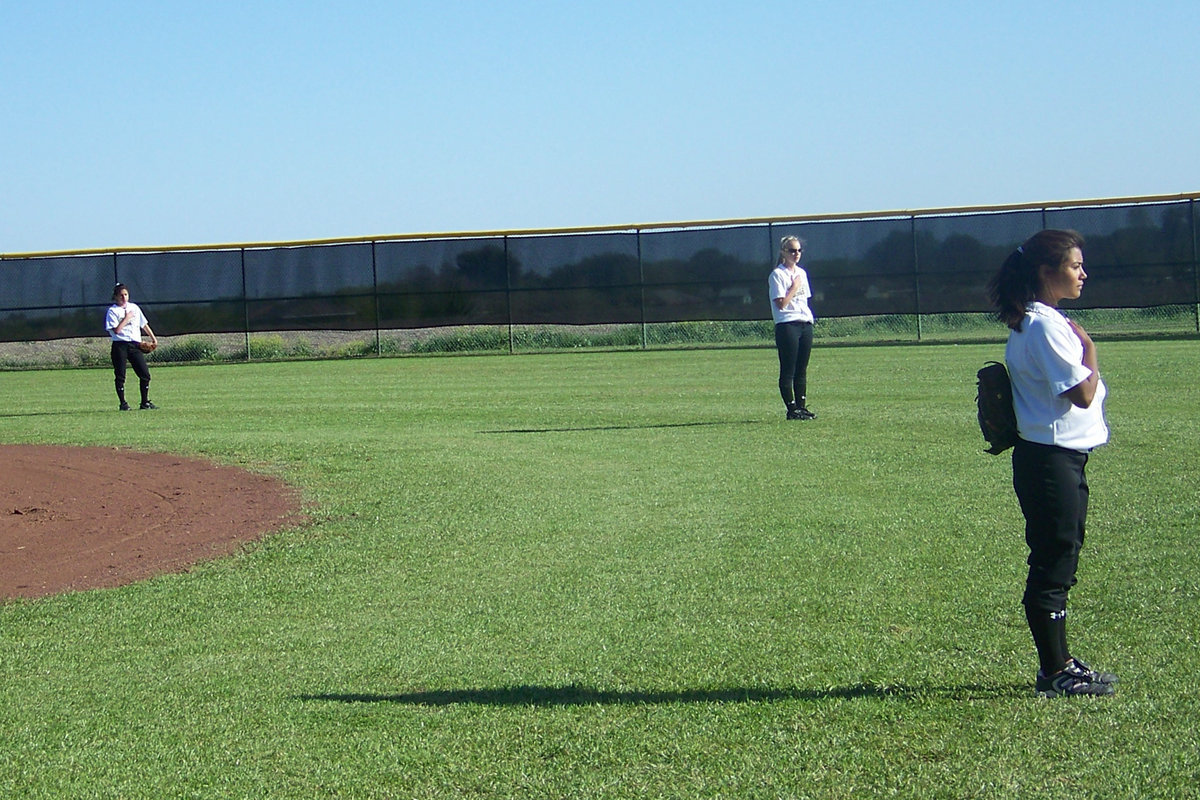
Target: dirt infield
[74,518]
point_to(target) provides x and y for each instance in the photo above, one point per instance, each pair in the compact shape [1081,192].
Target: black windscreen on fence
[706,273]
[330,287]
[1139,255]
[858,267]
[574,279]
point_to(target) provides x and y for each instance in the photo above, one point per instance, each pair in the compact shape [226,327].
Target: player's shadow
[579,428]
[11,413]
[587,696]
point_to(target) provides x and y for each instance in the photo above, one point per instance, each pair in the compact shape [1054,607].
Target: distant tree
[485,268]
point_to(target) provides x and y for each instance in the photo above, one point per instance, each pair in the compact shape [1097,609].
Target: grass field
[616,575]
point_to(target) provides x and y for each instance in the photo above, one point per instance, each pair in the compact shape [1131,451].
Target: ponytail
[1018,281]
[1011,288]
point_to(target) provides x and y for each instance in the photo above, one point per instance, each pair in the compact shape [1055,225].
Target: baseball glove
[994,407]
[147,347]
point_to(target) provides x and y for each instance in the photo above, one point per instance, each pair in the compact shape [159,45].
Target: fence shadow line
[68,413]
[550,696]
[627,427]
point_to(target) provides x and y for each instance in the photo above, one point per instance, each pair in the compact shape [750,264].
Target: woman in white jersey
[125,324]
[789,292]
[1059,401]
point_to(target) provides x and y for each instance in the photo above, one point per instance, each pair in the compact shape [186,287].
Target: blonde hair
[783,243]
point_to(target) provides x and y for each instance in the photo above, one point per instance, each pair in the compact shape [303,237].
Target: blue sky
[169,123]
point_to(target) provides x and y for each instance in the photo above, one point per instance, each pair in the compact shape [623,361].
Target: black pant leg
[1052,489]
[803,354]
[137,359]
[119,356]
[787,343]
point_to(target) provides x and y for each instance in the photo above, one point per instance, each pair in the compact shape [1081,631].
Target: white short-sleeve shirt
[778,283]
[132,332]
[1045,359]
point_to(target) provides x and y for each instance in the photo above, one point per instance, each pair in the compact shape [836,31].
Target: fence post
[1195,263]
[912,233]
[508,289]
[641,287]
[375,294]
[245,305]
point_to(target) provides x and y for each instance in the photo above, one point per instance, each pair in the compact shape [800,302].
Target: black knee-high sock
[1049,629]
[1062,638]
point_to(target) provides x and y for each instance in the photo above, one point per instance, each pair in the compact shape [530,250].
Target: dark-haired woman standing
[1059,401]
[125,324]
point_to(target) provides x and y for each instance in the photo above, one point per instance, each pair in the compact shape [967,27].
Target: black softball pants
[129,353]
[794,342]
[1052,489]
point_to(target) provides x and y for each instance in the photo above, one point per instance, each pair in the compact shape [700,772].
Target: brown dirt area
[75,518]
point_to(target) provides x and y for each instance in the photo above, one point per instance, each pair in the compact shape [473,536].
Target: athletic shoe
[1096,676]
[805,413]
[794,413]
[124,407]
[1072,681]
[147,405]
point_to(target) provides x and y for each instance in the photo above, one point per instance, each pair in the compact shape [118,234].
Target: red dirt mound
[74,518]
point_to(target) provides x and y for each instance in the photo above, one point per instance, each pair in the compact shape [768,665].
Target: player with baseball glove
[125,324]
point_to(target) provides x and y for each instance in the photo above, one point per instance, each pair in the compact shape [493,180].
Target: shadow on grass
[627,427]
[585,696]
[13,414]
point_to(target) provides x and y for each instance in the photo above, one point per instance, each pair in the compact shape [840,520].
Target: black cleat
[1072,681]
[1096,675]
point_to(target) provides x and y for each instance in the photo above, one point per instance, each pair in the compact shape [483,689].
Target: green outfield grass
[616,575]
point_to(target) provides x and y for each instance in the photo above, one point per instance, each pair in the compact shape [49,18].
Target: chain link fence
[881,278]
[963,328]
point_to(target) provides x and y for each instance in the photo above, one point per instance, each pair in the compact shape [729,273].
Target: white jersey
[778,284]
[132,332]
[1045,359]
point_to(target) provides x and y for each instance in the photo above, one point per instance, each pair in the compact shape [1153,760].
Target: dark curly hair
[1019,279]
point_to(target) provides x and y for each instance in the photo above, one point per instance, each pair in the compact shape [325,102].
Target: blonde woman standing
[789,292]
